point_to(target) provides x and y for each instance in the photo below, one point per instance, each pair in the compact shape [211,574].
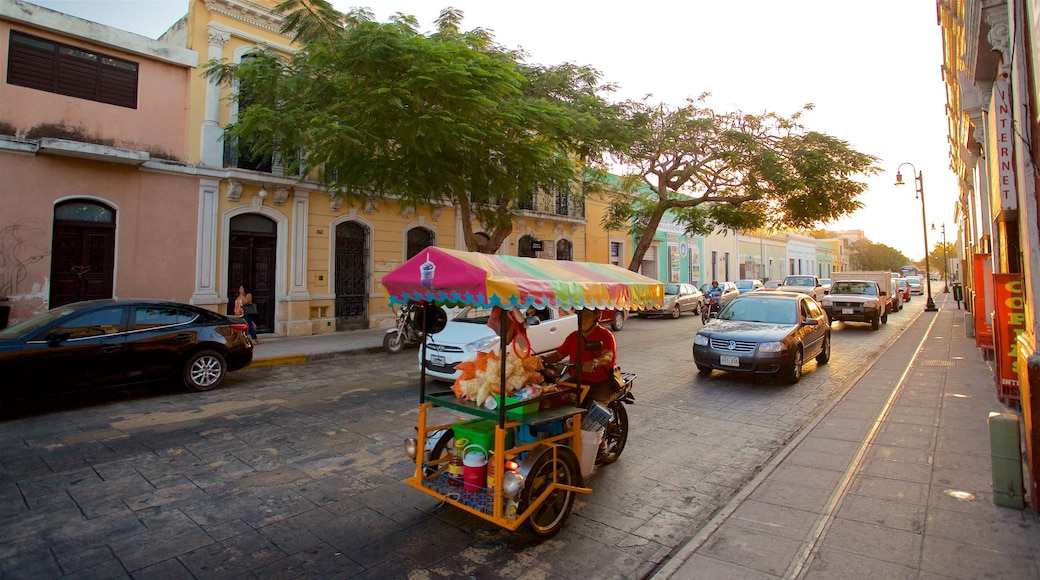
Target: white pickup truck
[804,283]
[859,297]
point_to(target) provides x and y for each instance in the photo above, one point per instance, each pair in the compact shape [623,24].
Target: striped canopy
[457,278]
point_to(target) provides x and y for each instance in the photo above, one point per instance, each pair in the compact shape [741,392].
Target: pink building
[96,197]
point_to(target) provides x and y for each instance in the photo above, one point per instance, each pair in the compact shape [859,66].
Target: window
[97,323]
[525,247]
[418,240]
[146,317]
[49,66]
[564,250]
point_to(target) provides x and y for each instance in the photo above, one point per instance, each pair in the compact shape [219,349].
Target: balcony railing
[560,204]
[239,156]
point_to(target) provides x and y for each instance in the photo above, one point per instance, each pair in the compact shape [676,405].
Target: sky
[872,70]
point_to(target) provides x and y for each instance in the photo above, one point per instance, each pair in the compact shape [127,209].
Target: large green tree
[709,170]
[386,112]
[867,255]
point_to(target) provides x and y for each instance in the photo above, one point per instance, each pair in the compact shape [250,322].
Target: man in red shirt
[594,364]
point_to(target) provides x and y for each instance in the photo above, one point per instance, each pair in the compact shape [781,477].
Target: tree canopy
[867,255]
[383,111]
[710,170]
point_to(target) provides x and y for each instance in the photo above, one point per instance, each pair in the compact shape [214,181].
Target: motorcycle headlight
[771,347]
[483,344]
[410,446]
[512,483]
[700,340]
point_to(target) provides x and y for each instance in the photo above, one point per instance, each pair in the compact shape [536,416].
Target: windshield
[768,311]
[854,288]
[745,284]
[671,289]
[36,322]
[799,281]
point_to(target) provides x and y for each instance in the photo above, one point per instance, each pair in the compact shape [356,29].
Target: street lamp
[946,262]
[919,179]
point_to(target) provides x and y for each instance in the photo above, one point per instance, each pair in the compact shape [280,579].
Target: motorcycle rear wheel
[393,342]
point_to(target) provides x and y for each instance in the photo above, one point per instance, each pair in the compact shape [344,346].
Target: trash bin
[958,292]
[5,311]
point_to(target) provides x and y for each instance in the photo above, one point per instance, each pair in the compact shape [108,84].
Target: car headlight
[485,343]
[771,347]
[700,339]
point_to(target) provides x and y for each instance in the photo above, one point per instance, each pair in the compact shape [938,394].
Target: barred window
[38,63]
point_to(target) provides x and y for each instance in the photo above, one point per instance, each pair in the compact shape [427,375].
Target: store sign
[1002,129]
[1009,320]
[536,245]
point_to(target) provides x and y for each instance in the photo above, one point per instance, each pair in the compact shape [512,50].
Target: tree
[384,112]
[867,255]
[712,170]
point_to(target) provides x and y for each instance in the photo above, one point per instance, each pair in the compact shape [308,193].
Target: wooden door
[83,252]
[252,259]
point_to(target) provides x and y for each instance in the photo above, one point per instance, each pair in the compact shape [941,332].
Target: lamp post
[946,262]
[919,179]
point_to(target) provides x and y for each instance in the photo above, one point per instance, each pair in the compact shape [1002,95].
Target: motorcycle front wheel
[393,342]
[705,314]
[615,434]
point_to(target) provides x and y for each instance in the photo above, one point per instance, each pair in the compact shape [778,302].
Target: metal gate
[351,276]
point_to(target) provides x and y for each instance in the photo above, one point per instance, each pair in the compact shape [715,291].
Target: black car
[770,333]
[109,342]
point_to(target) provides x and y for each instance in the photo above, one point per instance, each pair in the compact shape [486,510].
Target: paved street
[295,471]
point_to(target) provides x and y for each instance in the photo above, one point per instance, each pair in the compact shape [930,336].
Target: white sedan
[916,287]
[467,333]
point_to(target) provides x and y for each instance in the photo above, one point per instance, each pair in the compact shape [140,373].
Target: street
[296,471]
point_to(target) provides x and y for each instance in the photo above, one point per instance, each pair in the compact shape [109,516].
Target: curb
[300,358]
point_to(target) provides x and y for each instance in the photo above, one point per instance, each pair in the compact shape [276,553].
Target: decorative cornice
[234,190]
[218,37]
[436,213]
[335,203]
[280,195]
[999,36]
[248,12]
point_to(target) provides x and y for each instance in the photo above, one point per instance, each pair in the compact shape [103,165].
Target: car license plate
[729,361]
[847,311]
[436,360]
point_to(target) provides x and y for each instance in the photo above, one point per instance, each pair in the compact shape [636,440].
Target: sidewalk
[892,481]
[273,350]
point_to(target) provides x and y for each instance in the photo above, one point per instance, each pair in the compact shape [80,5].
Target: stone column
[211,152]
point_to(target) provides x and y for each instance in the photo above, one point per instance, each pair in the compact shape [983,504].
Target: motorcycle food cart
[532,446]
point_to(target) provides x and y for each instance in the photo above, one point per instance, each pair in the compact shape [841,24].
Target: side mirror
[533,321]
[57,337]
[811,322]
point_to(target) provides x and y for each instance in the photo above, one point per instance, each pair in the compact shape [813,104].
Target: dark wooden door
[83,261]
[251,261]
[351,276]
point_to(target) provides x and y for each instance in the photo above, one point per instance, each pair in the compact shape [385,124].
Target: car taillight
[239,327]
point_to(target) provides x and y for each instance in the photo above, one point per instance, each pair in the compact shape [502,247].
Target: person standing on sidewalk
[245,308]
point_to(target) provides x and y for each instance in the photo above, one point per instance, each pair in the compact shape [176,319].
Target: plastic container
[519,411]
[480,432]
[474,468]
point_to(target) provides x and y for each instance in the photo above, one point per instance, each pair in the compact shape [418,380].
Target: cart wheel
[441,449]
[551,515]
[615,434]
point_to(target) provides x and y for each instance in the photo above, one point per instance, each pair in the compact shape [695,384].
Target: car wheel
[703,370]
[676,312]
[794,374]
[619,321]
[875,322]
[204,370]
[550,516]
[884,318]
[825,353]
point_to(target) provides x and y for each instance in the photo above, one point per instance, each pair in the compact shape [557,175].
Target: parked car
[806,284]
[826,283]
[767,333]
[113,342]
[916,286]
[904,288]
[770,286]
[678,298]
[729,292]
[748,285]
[895,297]
[467,333]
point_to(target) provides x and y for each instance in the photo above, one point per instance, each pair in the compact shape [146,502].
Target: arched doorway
[251,261]
[84,250]
[351,276]
[525,247]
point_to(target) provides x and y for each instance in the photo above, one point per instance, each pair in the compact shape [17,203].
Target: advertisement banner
[1009,320]
[981,307]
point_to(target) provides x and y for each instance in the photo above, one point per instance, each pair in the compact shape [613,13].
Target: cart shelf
[451,401]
